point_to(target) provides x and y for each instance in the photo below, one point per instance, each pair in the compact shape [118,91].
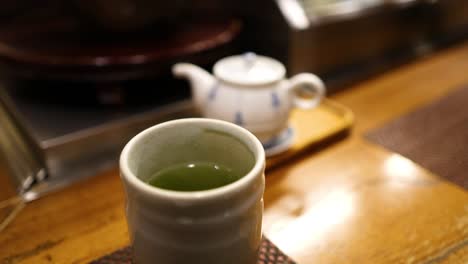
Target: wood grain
[333,122]
[353,202]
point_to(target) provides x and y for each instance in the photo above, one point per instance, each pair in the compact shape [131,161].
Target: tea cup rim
[192,196]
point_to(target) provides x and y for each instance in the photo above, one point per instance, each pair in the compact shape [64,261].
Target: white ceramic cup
[221,225]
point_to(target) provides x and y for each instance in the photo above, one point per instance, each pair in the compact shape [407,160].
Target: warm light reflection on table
[398,168]
[296,221]
[318,218]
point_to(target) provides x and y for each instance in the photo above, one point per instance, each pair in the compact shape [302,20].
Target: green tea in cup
[194,176]
[204,159]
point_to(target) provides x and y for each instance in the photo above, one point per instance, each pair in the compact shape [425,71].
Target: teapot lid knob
[249,58]
[249,69]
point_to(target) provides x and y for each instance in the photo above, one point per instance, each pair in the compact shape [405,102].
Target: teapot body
[251,91]
[263,110]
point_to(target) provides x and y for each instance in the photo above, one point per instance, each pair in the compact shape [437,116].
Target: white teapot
[251,91]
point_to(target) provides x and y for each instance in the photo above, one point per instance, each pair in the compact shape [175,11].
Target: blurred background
[79,74]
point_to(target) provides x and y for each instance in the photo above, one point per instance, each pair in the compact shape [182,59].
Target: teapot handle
[310,83]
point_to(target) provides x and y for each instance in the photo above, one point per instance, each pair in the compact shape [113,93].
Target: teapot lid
[249,69]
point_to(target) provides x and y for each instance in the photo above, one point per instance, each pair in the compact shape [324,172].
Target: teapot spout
[200,80]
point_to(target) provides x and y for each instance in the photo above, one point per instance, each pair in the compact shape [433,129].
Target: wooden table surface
[353,202]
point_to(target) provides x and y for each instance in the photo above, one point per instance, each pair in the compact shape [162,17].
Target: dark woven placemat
[434,136]
[268,254]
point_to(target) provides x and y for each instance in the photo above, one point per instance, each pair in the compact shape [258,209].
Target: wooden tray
[315,127]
